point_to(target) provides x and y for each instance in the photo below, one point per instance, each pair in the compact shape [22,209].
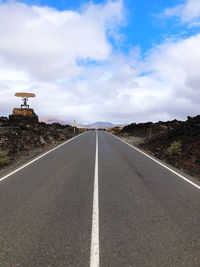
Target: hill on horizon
[103,124]
[98,124]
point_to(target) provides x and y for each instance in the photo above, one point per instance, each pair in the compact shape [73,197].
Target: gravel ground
[132,140]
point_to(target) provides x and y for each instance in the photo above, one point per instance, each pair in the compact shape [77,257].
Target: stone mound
[22,133]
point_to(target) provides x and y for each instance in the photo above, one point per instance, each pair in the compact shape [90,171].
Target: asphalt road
[144,215]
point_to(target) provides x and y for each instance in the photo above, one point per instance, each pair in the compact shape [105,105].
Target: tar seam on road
[169,169]
[94,253]
[44,154]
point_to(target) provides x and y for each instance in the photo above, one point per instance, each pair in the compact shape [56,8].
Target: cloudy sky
[110,60]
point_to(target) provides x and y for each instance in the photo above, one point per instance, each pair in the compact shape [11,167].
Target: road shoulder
[134,142]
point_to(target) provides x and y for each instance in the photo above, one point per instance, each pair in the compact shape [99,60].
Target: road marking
[163,165]
[94,253]
[44,154]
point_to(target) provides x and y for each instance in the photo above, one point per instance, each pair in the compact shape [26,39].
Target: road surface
[96,201]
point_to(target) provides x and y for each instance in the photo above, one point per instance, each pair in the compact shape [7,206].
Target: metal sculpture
[25,97]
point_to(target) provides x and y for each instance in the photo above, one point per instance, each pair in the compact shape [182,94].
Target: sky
[121,61]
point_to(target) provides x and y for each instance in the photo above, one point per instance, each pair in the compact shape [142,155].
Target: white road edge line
[44,154]
[94,252]
[166,167]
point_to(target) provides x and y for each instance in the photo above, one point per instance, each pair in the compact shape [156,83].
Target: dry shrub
[4,160]
[174,149]
[81,130]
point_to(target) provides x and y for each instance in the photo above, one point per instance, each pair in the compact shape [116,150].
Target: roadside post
[74,124]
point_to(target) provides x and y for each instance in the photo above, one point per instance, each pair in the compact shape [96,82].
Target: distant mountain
[98,124]
[50,120]
[102,124]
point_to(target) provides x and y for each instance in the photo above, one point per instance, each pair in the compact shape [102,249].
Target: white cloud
[117,90]
[168,88]
[47,43]
[178,63]
[39,49]
[189,12]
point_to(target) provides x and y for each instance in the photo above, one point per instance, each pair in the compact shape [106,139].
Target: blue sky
[117,60]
